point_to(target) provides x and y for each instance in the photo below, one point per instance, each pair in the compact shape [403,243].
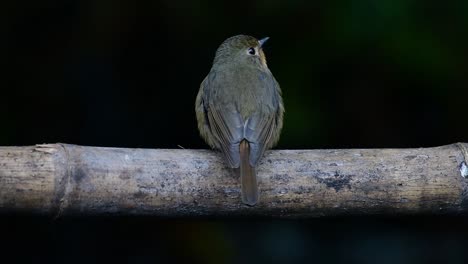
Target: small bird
[239,108]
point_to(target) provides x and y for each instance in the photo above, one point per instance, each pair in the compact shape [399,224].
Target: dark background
[354,74]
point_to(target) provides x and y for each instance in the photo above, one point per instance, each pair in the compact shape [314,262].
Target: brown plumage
[239,108]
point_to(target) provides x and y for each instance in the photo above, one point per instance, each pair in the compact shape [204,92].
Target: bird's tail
[247,175]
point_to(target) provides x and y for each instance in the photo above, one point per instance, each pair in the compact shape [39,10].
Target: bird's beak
[262,41]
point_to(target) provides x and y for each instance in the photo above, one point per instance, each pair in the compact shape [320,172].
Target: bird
[239,108]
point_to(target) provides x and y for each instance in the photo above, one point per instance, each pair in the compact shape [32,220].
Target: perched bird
[239,108]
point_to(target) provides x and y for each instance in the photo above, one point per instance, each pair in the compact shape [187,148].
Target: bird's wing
[227,127]
[223,122]
[262,129]
[259,131]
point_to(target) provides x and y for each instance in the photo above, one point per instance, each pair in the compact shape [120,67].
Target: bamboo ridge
[62,179]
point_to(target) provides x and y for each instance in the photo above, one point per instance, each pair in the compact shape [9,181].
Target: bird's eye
[251,51]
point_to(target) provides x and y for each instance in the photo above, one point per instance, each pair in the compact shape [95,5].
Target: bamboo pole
[61,179]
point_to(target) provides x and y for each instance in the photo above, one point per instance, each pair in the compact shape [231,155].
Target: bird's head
[243,50]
